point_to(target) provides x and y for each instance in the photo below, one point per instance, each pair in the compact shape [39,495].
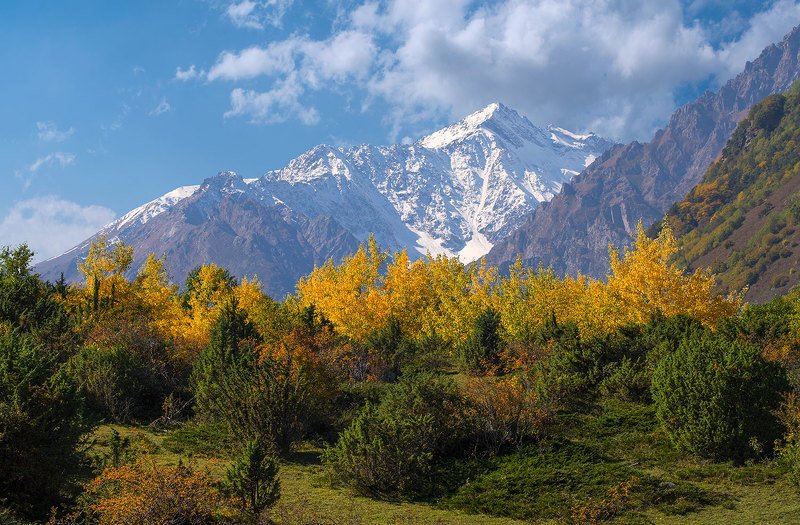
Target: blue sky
[109,104]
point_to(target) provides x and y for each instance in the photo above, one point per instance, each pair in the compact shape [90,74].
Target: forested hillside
[742,219]
[390,391]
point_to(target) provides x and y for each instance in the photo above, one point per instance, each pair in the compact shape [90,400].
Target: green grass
[540,483]
[306,497]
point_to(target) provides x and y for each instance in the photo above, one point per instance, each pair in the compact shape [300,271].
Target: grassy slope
[305,496]
[540,484]
[743,219]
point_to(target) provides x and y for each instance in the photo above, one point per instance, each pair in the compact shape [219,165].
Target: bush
[619,365]
[789,415]
[715,398]
[253,481]
[121,383]
[572,370]
[41,411]
[392,348]
[481,351]
[392,448]
[145,492]
[257,395]
[41,425]
[503,411]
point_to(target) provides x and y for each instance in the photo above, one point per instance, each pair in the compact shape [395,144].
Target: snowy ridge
[147,211]
[456,191]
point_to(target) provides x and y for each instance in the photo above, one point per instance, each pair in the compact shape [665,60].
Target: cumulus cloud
[162,107]
[276,105]
[613,67]
[49,132]
[186,74]
[51,225]
[297,65]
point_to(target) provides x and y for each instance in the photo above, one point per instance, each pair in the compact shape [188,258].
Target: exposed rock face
[636,182]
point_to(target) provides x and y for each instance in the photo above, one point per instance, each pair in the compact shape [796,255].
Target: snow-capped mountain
[456,191]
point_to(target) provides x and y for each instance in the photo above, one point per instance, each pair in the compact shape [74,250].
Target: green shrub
[120,383]
[258,397]
[393,349]
[540,481]
[392,448]
[480,352]
[253,481]
[715,397]
[41,423]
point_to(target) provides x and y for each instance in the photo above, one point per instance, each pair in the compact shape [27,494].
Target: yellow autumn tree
[449,315]
[104,273]
[644,281]
[155,291]
[349,295]
[207,289]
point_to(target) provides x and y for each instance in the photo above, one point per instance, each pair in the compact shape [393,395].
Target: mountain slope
[457,192]
[636,181]
[743,219]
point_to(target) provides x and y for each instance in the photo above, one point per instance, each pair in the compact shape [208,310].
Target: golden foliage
[146,493]
[643,282]
[506,409]
[439,295]
[104,275]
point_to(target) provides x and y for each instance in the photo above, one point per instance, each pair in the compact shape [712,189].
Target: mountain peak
[495,117]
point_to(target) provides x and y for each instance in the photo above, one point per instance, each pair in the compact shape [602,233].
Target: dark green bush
[480,352]
[393,349]
[267,398]
[716,398]
[252,480]
[120,384]
[392,448]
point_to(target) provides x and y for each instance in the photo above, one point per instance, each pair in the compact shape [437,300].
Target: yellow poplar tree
[103,271]
[644,281]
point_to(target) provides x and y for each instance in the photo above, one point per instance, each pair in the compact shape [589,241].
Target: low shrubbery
[716,398]
[392,448]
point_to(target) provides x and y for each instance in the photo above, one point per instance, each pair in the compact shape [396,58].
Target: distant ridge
[743,219]
[634,182]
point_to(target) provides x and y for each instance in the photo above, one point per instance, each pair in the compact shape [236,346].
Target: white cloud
[49,132]
[186,74]
[254,61]
[763,29]
[61,158]
[162,107]
[255,15]
[296,65]
[241,14]
[277,105]
[51,225]
[613,67]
